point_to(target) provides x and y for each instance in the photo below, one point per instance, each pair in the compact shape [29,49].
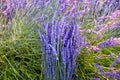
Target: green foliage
[20,54]
[86,58]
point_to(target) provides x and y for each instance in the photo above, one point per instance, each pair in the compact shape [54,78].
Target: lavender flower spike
[98,67]
[61,46]
[116,60]
[95,79]
[109,42]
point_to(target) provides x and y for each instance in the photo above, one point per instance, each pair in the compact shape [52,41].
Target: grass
[86,69]
[20,54]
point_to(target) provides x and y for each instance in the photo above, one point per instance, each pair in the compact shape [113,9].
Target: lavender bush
[60,47]
[65,28]
[59,52]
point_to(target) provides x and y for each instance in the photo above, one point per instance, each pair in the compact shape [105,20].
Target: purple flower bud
[81,12]
[98,67]
[109,42]
[116,76]
[95,79]
[116,60]
[104,17]
[100,27]
[108,74]
[115,24]
[116,14]
[97,37]
[7,11]
[111,55]
[94,48]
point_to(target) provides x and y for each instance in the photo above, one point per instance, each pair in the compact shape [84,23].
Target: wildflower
[109,42]
[95,48]
[99,35]
[117,75]
[61,43]
[98,67]
[87,1]
[103,29]
[115,14]
[100,57]
[82,12]
[111,55]
[116,60]
[7,11]
[103,18]
[100,27]
[95,79]
[108,74]
[114,24]
[95,73]
[84,43]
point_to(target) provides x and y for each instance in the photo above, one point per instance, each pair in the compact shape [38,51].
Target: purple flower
[115,14]
[98,67]
[112,74]
[94,48]
[103,18]
[108,74]
[61,44]
[116,60]
[109,42]
[95,79]
[100,57]
[7,11]
[110,6]
[99,27]
[115,24]
[111,55]
[97,37]
[117,74]
[81,12]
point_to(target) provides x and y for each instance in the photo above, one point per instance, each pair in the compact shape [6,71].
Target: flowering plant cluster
[66,28]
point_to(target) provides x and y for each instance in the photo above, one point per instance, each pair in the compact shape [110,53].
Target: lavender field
[59,39]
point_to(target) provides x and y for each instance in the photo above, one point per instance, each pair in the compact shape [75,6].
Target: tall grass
[20,54]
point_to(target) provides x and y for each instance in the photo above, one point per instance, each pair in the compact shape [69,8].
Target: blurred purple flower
[111,55]
[117,76]
[116,60]
[115,24]
[97,37]
[112,74]
[103,18]
[95,79]
[81,12]
[109,42]
[95,48]
[108,74]
[7,11]
[100,27]
[98,67]
[115,14]
[100,57]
